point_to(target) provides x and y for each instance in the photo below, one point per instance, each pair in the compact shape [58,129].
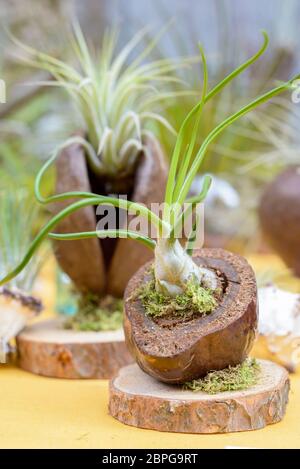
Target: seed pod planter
[186,317]
[105,266]
[178,351]
[279,215]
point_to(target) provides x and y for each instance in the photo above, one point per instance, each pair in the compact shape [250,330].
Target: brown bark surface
[139,400]
[279,214]
[49,350]
[189,349]
[82,259]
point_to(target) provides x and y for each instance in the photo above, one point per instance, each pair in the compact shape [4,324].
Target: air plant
[115,100]
[174,267]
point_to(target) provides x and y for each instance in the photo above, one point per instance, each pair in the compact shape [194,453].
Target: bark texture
[179,352]
[49,350]
[82,260]
[139,400]
[279,214]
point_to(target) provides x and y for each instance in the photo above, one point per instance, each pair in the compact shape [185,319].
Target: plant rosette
[187,315]
[119,99]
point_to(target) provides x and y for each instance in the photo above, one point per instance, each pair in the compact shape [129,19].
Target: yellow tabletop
[38,412]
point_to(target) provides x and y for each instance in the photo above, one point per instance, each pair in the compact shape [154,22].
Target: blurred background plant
[19,223]
[114,99]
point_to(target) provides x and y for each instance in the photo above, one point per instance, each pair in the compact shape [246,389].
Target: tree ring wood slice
[139,400]
[47,349]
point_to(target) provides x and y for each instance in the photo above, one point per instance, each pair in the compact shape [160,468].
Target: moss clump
[194,300]
[95,315]
[233,378]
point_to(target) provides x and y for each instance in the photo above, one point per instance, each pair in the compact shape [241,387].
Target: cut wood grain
[139,400]
[47,349]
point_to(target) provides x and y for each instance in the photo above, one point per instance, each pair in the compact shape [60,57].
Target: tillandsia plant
[218,285]
[118,98]
[17,305]
[114,100]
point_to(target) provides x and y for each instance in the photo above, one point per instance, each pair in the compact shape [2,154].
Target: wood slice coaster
[138,399]
[47,349]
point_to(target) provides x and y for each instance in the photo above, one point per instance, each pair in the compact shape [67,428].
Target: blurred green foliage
[19,222]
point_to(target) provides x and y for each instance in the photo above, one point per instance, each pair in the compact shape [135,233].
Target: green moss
[194,300]
[233,378]
[95,315]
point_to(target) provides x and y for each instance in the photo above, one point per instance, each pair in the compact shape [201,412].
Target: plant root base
[47,349]
[139,400]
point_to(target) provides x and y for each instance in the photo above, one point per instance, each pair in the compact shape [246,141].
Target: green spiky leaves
[117,97]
